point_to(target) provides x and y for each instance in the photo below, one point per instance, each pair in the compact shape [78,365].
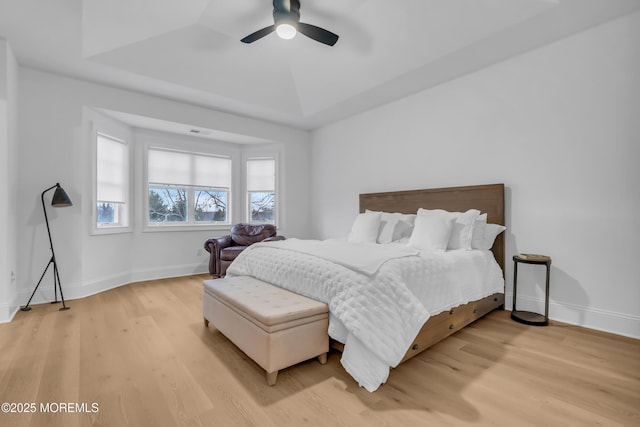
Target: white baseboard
[7,313]
[173,271]
[76,291]
[592,318]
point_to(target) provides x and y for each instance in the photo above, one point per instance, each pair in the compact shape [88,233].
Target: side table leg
[546,298]
[515,284]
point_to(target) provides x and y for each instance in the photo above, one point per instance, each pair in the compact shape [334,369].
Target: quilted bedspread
[376,315]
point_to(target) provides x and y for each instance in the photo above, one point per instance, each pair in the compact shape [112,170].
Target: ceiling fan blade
[318,34]
[259,34]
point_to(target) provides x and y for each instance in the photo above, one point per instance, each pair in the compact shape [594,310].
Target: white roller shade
[261,175]
[112,170]
[169,167]
[212,171]
[178,168]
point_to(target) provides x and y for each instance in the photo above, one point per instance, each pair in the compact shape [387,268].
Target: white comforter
[378,296]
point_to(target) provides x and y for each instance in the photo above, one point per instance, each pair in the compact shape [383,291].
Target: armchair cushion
[230,253]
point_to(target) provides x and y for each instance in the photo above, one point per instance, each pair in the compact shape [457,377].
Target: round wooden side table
[528,317]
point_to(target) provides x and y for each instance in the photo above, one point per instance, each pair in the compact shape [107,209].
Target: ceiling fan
[286,18]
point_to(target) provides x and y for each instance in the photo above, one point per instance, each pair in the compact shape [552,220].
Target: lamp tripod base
[56,286]
[65,307]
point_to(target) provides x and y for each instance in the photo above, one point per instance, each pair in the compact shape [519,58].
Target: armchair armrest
[216,244]
[274,238]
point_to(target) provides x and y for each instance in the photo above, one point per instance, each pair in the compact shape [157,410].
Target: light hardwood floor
[142,353]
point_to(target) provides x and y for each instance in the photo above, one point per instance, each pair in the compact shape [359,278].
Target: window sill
[190,227]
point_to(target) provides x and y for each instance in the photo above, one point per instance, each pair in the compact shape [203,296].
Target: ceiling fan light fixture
[286,31]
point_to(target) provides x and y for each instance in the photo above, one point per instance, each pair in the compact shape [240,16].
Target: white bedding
[367,259]
[376,315]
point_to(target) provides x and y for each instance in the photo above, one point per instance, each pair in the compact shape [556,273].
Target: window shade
[179,168]
[112,170]
[261,175]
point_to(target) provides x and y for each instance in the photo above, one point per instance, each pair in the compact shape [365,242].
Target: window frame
[262,154]
[118,133]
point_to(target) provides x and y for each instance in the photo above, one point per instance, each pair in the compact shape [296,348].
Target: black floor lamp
[60,200]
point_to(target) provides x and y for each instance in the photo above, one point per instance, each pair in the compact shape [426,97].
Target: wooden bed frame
[486,198]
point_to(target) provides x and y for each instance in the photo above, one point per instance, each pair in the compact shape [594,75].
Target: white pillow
[394,226]
[491,231]
[431,231]
[477,236]
[462,231]
[365,228]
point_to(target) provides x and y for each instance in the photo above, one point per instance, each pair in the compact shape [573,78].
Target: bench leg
[322,358]
[272,377]
[206,322]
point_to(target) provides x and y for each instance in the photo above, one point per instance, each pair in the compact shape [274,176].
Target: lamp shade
[60,198]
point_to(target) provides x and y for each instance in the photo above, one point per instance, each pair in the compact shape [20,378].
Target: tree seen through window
[170,204]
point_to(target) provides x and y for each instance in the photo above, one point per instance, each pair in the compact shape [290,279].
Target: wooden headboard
[486,198]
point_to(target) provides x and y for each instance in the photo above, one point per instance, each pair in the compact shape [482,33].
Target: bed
[376,323]
[486,198]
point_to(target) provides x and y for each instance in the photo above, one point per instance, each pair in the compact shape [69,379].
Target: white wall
[8,179]
[53,147]
[559,126]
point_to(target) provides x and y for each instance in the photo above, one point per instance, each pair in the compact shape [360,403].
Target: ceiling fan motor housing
[286,11]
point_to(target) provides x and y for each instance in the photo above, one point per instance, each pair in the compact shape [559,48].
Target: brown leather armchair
[225,249]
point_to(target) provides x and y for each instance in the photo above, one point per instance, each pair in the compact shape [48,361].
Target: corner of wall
[8,179]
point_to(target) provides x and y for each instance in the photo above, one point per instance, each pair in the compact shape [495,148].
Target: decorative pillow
[431,231]
[477,235]
[365,228]
[394,226]
[491,231]
[462,231]
[403,229]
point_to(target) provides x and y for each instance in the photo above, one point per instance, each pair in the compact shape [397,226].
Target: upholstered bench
[274,327]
